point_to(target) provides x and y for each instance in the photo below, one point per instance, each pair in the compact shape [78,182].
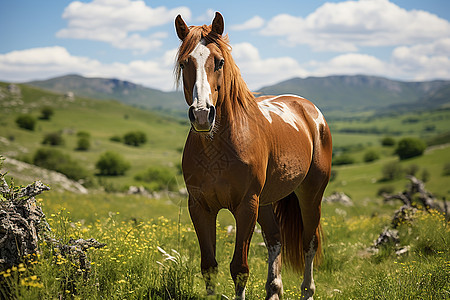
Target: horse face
[202,73]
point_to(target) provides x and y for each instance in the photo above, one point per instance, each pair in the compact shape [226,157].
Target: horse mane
[236,94]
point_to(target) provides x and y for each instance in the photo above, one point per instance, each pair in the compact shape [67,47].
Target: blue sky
[272,40]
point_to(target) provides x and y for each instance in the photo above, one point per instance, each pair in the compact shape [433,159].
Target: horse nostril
[191,114]
[212,114]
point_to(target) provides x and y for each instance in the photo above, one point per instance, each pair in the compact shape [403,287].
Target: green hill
[124,91]
[101,119]
[365,93]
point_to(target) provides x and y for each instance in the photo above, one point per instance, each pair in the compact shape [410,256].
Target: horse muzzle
[203,119]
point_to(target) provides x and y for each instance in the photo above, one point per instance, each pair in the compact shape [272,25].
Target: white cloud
[116,22]
[39,63]
[258,72]
[424,61]
[348,25]
[350,64]
[253,23]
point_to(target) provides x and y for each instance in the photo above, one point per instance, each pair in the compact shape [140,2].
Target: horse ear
[217,24]
[181,27]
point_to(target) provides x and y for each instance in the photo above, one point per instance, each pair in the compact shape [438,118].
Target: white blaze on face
[202,90]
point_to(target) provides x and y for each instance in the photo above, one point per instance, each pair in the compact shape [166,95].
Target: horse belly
[284,175]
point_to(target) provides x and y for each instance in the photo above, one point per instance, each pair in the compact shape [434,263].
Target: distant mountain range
[124,91]
[332,93]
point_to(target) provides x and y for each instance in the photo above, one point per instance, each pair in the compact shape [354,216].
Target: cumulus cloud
[349,25]
[117,21]
[424,61]
[350,64]
[38,63]
[258,72]
[253,23]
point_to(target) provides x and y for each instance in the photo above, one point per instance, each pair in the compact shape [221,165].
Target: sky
[272,41]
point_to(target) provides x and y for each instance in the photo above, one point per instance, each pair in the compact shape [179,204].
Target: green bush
[53,139]
[135,138]
[56,160]
[410,147]
[83,144]
[371,155]
[27,122]
[388,141]
[116,138]
[46,113]
[343,159]
[159,178]
[446,169]
[392,171]
[112,164]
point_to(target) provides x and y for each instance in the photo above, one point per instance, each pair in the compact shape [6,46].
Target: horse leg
[205,227]
[245,216]
[310,195]
[271,234]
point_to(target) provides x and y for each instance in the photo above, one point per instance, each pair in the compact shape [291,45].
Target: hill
[365,93]
[100,119]
[124,91]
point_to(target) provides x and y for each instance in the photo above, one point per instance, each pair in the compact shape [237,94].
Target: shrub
[46,113]
[392,171]
[56,160]
[116,138]
[135,138]
[388,141]
[27,122]
[371,155]
[412,169]
[385,189]
[410,147]
[83,144]
[343,159]
[53,139]
[112,164]
[160,178]
[446,169]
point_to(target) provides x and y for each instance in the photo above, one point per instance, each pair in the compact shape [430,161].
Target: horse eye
[220,64]
[181,66]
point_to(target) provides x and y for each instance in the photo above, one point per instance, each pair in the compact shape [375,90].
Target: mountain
[332,93]
[363,93]
[124,91]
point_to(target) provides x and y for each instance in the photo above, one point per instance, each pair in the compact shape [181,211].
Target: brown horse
[265,159]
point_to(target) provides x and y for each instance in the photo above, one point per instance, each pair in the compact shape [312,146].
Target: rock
[340,198]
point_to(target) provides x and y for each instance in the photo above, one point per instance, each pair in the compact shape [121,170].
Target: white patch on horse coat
[202,90]
[320,120]
[281,109]
[308,287]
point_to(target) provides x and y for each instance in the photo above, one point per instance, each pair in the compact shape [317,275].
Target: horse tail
[289,216]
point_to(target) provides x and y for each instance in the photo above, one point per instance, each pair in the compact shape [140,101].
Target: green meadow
[151,249]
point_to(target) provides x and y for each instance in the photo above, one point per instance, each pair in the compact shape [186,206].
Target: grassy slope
[102,119]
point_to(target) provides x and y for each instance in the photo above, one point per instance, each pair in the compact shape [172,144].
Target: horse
[266,159]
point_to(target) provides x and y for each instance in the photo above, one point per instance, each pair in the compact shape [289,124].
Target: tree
[410,147]
[84,142]
[27,122]
[53,139]
[371,155]
[135,138]
[112,164]
[388,141]
[46,113]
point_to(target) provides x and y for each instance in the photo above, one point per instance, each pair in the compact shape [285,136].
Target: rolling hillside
[365,93]
[101,119]
[124,91]
[358,93]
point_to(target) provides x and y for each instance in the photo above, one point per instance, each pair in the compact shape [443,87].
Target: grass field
[131,266]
